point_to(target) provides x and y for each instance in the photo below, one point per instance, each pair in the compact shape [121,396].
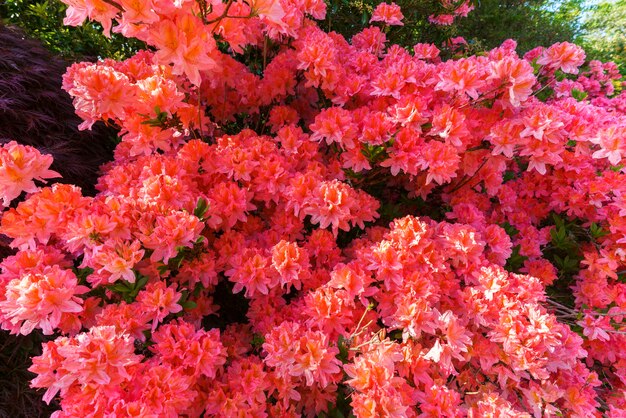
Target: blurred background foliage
[604,32]
[531,23]
[350,16]
[600,26]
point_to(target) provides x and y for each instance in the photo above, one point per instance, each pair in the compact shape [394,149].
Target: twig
[464,182]
[114,4]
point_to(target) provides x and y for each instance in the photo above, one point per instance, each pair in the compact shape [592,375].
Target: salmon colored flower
[100,357]
[564,56]
[19,166]
[158,301]
[38,300]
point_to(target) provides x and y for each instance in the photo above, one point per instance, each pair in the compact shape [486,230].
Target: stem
[264,53]
[544,87]
[360,321]
[114,4]
[238,17]
[200,111]
[464,182]
[222,16]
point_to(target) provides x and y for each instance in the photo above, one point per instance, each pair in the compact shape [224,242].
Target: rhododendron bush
[300,225]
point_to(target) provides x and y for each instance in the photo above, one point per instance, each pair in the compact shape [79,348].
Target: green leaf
[579,95]
[39,10]
[82,274]
[558,261]
[163,268]
[257,340]
[536,67]
[544,94]
[516,260]
[560,75]
[509,229]
[596,231]
[189,304]
[141,282]
[120,287]
[343,346]
[364,18]
[202,207]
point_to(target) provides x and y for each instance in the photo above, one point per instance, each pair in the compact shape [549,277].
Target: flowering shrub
[298,225]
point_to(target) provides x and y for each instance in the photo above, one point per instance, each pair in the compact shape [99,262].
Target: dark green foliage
[531,23]
[235,307]
[341,408]
[565,252]
[349,17]
[127,290]
[43,20]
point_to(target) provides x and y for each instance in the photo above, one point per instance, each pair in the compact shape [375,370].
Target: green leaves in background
[43,20]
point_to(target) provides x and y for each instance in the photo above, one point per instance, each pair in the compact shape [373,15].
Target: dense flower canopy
[393,226]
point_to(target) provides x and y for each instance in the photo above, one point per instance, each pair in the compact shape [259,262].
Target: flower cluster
[19,166]
[297,224]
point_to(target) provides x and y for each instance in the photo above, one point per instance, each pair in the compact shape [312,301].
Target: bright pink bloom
[564,56]
[158,301]
[334,125]
[516,77]
[612,144]
[294,351]
[388,13]
[39,299]
[100,357]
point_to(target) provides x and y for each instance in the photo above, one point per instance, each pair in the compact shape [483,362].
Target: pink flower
[39,299]
[595,328]
[564,56]
[426,51]
[270,10]
[100,357]
[516,77]
[251,272]
[291,262]
[465,76]
[297,352]
[228,204]
[334,125]
[19,166]
[442,162]
[197,352]
[168,233]
[388,13]
[99,92]
[612,144]
[158,301]
[116,261]
[336,204]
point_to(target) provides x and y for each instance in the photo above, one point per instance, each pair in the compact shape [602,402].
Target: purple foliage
[34,110]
